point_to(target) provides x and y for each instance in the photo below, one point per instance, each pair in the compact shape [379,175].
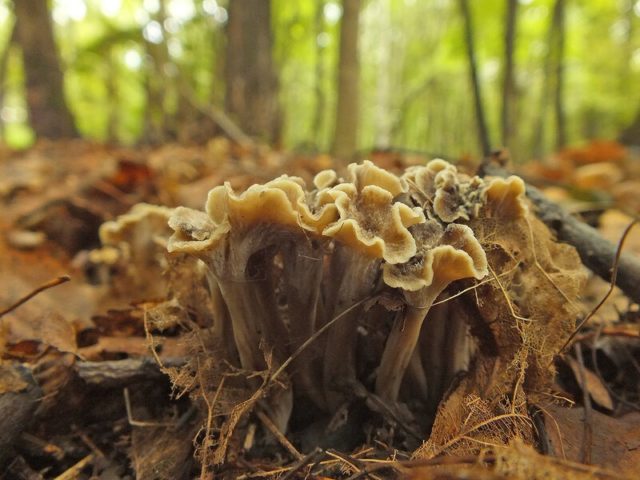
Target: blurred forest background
[452,77]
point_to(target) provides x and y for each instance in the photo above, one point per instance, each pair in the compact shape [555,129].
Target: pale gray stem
[353,277]
[400,347]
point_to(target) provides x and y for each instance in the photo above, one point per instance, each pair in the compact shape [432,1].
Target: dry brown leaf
[593,384]
[615,443]
[48,329]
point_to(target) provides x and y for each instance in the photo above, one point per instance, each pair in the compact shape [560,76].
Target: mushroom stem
[354,277]
[400,347]
[416,377]
[444,348]
[222,327]
[302,280]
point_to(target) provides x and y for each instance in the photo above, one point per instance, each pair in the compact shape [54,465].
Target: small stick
[596,369]
[267,422]
[88,442]
[140,423]
[50,284]
[316,335]
[306,460]
[612,285]
[75,470]
[587,430]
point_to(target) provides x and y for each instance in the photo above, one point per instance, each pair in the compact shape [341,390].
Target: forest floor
[81,392]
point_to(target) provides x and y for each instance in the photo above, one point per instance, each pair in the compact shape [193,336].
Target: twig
[596,253]
[117,373]
[353,463]
[596,369]
[316,335]
[140,423]
[210,413]
[88,442]
[384,409]
[407,464]
[75,470]
[587,435]
[219,117]
[267,422]
[50,284]
[614,276]
[303,462]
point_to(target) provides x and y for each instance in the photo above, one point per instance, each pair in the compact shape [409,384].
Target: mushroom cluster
[283,261]
[391,285]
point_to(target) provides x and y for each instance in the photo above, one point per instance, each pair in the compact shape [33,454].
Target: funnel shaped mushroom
[456,255]
[136,243]
[371,227]
[238,239]
[451,195]
[504,198]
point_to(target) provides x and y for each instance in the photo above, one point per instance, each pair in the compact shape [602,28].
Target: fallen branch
[219,117]
[119,373]
[16,407]
[596,253]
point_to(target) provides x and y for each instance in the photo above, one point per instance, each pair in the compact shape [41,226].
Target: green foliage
[415,91]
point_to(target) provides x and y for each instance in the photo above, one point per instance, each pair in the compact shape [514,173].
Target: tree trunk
[318,114]
[345,139]
[561,127]
[48,112]
[4,64]
[631,134]
[251,81]
[483,132]
[508,79]
[553,77]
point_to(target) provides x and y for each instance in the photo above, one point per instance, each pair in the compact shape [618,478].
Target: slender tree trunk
[48,112]
[631,134]
[345,139]
[251,81]
[508,78]
[112,95]
[552,83]
[4,64]
[483,131]
[561,132]
[318,114]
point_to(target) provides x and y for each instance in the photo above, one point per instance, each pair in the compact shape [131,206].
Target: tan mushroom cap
[366,174]
[505,198]
[122,229]
[325,179]
[194,232]
[423,177]
[281,201]
[458,255]
[371,223]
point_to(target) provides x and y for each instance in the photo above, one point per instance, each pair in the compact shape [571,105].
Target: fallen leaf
[592,383]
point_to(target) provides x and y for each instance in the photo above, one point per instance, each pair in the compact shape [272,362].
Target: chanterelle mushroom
[444,257]
[371,227]
[284,261]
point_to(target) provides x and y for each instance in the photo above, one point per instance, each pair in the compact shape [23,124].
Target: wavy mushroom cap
[194,231]
[367,174]
[457,255]
[370,222]
[141,219]
[505,198]
[282,201]
[325,179]
[423,177]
